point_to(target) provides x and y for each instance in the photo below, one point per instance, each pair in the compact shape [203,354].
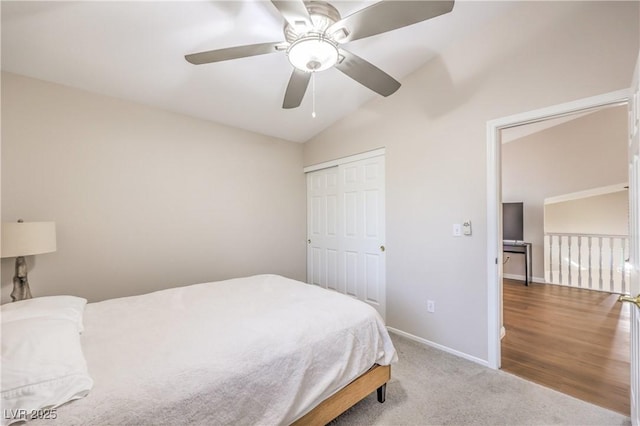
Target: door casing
[634,240]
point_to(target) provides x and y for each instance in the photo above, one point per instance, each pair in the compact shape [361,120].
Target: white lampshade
[27,238]
[312,54]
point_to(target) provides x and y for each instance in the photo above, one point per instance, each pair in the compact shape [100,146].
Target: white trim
[538,280]
[580,105]
[523,132]
[438,346]
[587,193]
[494,167]
[333,163]
[494,246]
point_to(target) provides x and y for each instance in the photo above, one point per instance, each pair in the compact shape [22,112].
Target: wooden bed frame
[375,378]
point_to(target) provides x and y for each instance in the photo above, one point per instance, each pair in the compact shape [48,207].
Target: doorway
[565,330]
[494,221]
[515,362]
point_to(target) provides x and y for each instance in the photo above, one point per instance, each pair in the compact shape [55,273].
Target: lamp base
[21,288]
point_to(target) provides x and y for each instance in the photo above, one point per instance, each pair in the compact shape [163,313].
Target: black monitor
[513,221]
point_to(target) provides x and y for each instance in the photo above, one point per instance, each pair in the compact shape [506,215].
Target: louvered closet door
[346,207]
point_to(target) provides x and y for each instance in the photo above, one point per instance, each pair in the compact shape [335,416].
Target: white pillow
[42,366]
[62,307]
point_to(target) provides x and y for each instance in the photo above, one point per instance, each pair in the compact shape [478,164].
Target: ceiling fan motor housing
[311,49]
[322,14]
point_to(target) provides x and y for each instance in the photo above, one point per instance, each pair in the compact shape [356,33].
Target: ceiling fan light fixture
[313,53]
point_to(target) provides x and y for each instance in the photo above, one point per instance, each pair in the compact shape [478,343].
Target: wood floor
[573,340]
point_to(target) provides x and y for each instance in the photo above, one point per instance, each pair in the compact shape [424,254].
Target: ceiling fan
[315,32]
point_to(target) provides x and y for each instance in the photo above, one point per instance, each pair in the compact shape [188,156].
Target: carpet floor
[432,387]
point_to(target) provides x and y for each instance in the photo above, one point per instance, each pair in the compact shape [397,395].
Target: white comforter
[257,350]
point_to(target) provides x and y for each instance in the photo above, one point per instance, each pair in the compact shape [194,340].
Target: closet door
[322,228]
[346,253]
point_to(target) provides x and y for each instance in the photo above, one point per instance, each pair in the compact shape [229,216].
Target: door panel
[316,262]
[332,215]
[346,224]
[332,269]
[364,181]
[351,272]
[371,221]
[322,226]
[372,279]
[350,214]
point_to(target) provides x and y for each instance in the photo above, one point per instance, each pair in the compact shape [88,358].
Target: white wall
[144,199]
[600,214]
[433,129]
[585,153]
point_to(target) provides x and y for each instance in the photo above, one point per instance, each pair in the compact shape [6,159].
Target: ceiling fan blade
[367,74]
[296,89]
[233,53]
[294,12]
[388,15]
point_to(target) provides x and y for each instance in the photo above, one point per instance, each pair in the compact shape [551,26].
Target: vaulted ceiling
[135,50]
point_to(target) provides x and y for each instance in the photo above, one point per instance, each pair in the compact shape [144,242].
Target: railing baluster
[579,261]
[560,259]
[600,262]
[611,286]
[570,243]
[590,268]
[623,269]
[550,258]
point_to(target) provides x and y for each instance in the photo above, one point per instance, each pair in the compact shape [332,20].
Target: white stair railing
[592,261]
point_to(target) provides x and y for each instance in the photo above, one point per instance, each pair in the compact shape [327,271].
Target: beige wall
[600,214]
[434,131]
[585,153]
[144,199]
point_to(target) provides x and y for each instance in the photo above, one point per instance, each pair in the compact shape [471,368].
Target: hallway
[572,340]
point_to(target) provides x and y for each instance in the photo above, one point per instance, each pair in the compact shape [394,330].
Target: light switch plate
[457,230]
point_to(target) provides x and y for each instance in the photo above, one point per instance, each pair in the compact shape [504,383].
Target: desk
[521,248]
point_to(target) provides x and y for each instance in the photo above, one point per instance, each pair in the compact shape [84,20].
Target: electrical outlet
[431,306]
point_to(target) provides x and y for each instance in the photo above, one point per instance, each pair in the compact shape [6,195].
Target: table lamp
[20,239]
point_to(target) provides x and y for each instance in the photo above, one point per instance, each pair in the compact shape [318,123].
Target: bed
[256,350]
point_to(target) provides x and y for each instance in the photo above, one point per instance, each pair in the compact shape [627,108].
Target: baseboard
[438,346]
[521,278]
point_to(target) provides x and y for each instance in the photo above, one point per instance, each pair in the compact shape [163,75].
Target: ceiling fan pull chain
[313,94]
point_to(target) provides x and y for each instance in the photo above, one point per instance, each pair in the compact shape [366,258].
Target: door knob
[382,248]
[634,300]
